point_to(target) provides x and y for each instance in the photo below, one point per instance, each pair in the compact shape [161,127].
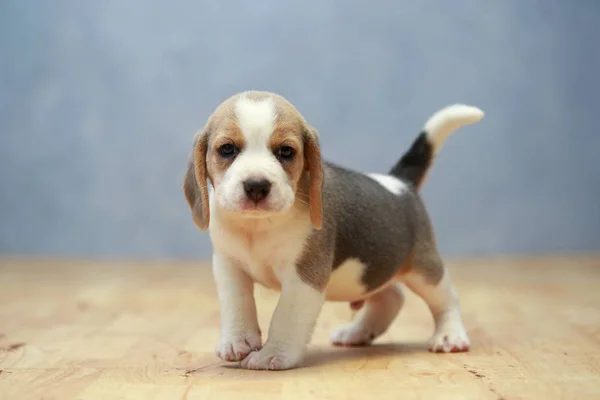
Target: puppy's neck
[297,214]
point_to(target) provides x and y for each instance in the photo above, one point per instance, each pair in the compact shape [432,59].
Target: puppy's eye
[285,153]
[227,150]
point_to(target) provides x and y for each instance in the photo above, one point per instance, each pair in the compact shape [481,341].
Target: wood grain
[125,330]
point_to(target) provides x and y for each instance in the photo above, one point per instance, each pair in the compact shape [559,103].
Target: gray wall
[99,101]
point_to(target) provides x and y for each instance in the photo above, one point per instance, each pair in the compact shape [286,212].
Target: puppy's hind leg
[430,279]
[376,315]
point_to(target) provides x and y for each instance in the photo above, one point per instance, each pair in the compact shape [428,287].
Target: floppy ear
[312,155]
[195,185]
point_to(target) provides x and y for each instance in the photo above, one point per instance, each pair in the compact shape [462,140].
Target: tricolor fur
[282,217]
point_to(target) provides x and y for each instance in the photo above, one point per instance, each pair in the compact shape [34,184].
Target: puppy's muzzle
[257,189]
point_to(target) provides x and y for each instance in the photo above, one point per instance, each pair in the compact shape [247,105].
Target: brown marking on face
[228,133]
[195,185]
[289,134]
[286,133]
[291,123]
[288,117]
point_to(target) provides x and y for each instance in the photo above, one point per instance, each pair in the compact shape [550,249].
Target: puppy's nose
[257,189]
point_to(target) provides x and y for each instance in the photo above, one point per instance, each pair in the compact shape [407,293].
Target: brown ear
[312,155]
[195,185]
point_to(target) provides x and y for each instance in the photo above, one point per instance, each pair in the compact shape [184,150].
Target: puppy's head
[256,150]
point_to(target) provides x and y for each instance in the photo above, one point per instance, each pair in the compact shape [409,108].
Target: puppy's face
[255,159]
[257,148]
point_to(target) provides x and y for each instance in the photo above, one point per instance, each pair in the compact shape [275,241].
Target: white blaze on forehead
[389,182]
[256,118]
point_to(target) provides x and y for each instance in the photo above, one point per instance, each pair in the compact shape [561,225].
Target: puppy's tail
[415,163]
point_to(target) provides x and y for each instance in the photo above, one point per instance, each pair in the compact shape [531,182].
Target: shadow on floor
[331,355]
[317,356]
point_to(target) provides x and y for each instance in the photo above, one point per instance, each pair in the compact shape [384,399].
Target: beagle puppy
[280,216]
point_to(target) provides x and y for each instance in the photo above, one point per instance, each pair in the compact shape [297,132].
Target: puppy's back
[375,219]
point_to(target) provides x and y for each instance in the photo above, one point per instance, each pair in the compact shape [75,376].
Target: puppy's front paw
[451,338]
[236,346]
[273,358]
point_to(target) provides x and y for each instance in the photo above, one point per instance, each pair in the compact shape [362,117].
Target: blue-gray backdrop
[99,101]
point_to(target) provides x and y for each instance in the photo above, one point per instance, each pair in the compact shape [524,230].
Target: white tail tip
[447,120]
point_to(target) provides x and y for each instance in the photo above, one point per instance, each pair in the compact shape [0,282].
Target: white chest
[263,254]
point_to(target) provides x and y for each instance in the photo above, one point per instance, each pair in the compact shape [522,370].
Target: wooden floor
[83,330]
